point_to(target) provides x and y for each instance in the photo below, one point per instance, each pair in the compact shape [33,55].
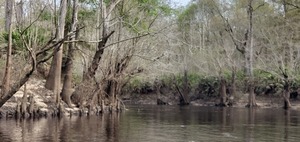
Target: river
[160,124]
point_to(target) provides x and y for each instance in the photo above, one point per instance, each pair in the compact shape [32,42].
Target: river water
[160,124]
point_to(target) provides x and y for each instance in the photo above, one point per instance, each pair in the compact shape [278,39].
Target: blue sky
[180,2]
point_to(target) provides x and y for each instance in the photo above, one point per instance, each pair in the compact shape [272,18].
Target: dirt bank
[42,98]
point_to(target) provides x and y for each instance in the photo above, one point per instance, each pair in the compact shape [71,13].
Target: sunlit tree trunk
[67,86]
[54,78]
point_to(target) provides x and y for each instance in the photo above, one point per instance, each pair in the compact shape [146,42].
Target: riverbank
[44,105]
[239,102]
[43,102]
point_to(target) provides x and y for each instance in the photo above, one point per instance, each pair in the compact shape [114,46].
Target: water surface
[160,124]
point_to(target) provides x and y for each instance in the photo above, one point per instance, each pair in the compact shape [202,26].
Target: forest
[97,55]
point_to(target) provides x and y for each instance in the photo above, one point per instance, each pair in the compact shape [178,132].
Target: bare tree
[249,55]
[288,58]
[54,78]
[106,11]
[88,89]
[67,86]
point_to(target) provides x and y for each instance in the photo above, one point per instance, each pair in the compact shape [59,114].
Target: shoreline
[262,101]
[44,105]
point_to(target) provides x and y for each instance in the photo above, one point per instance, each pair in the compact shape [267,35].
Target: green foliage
[137,85]
[145,12]
[204,87]
[193,79]
[154,7]
[264,75]
[32,35]
[295,83]
[88,1]
[45,16]
[86,14]
[200,11]
[239,75]
[2,63]
[135,82]
[199,85]
[76,78]
[187,16]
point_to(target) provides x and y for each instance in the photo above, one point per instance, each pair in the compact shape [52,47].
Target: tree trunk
[287,49]
[105,16]
[249,56]
[31,106]
[288,57]
[67,86]
[88,76]
[113,93]
[223,99]
[185,88]
[24,101]
[233,84]
[251,97]
[20,13]
[8,91]
[286,95]
[15,87]
[8,14]
[8,28]
[183,95]
[54,78]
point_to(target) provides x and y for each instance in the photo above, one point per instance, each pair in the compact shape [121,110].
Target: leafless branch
[49,46]
[259,6]
[40,14]
[293,5]
[128,39]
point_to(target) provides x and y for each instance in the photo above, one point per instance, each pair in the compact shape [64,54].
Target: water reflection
[94,128]
[287,119]
[160,123]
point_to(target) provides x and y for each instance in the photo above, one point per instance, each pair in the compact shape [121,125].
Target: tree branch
[127,39]
[40,14]
[48,47]
[259,6]
[295,6]
[230,31]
